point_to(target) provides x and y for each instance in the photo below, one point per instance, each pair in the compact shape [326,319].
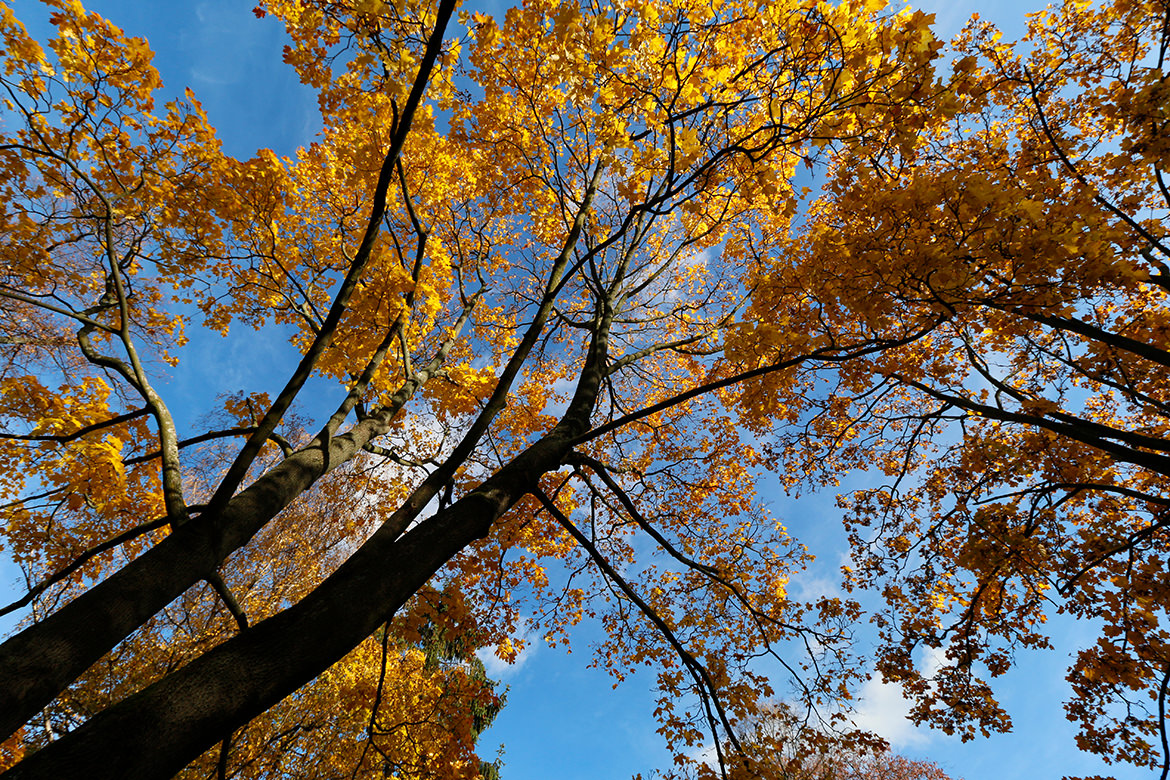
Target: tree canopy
[559,295]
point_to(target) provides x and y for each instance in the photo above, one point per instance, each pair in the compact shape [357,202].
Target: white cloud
[809,587]
[561,393]
[499,669]
[883,709]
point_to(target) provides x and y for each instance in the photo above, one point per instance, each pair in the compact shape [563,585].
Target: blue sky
[563,719]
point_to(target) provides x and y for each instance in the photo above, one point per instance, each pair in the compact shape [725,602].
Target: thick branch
[212,436]
[81,560]
[823,355]
[324,336]
[229,600]
[1089,331]
[1082,431]
[68,437]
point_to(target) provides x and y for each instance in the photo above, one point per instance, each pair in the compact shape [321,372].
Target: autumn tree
[514,250]
[1025,437]
[779,748]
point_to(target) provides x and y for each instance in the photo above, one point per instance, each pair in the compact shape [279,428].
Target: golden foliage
[1020,244]
[560,272]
